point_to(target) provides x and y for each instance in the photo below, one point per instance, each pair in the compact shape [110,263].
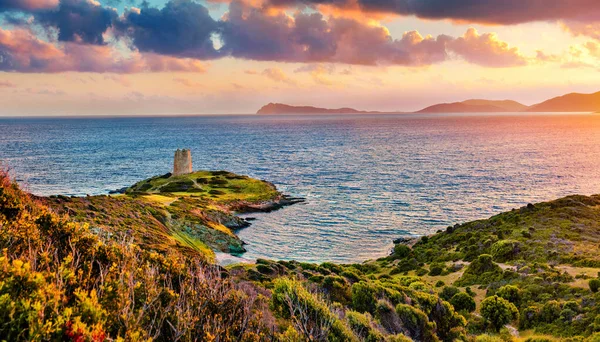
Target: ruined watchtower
[183,162]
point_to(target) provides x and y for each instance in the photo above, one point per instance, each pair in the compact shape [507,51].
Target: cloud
[277,75]
[503,12]
[26,5]
[182,28]
[186,82]
[182,33]
[6,84]
[258,34]
[21,51]
[486,50]
[78,21]
[318,72]
[577,28]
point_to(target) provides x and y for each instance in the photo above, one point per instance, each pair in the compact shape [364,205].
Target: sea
[367,179]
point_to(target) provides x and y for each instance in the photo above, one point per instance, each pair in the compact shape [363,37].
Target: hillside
[279,108]
[106,268]
[507,105]
[475,106]
[569,103]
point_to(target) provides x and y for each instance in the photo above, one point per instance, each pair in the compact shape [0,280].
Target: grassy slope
[548,252]
[554,253]
[190,211]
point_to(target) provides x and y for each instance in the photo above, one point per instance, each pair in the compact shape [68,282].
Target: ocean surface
[368,179]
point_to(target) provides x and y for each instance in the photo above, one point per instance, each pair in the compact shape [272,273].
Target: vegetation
[139,266]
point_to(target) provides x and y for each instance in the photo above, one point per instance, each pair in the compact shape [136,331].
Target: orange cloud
[486,50]
[278,75]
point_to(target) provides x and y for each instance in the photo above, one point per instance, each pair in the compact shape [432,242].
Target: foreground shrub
[308,312]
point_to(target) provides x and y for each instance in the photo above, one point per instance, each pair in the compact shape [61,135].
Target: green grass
[216,186]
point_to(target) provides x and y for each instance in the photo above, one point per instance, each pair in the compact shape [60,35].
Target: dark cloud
[473,11]
[78,21]
[254,33]
[182,32]
[26,5]
[181,28]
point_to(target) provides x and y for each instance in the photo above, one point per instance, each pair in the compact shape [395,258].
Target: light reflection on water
[368,179]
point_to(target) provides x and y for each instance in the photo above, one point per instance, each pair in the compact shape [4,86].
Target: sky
[130,57]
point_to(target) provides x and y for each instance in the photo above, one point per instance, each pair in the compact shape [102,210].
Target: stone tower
[183,162]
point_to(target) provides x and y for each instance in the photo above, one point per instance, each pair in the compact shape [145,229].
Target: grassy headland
[137,266]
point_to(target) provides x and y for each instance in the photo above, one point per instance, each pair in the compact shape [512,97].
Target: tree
[462,301]
[498,312]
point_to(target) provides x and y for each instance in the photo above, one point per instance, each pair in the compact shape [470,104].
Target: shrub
[309,313]
[436,270]
[439,283]
[498,311]
[594,285]
[481,271]
[505,250]
[416,323]
[401,251]
[510,293]
[448,292]
[387,317]
[364,297]
[463,302]
[362,325]
[550,311]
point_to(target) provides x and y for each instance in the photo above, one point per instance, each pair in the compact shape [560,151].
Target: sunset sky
[83,57]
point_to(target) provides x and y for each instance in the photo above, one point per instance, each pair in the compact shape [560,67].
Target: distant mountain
[509,105]
[573,102]
[476,106]
[280,108]
[568,103]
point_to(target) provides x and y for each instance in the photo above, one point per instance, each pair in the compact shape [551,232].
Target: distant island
[573,102]
[280,108]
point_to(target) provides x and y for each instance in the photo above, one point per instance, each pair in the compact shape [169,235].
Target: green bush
[482,271]
[308,312]
[550,311]
[510,293]
[498,311]
[416,323]
[401,251]
[594,285]
[448,292]
[363,326]
[505,250]
[463,302]
[364,297]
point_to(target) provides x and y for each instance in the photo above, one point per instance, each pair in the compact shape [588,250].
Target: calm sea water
[367,179]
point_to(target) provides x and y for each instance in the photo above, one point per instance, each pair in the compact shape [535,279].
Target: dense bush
[308,312]
[510,293]
[505,250]
[364,297]
[463,302]
[594,285]
[498,312]
[448,292]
